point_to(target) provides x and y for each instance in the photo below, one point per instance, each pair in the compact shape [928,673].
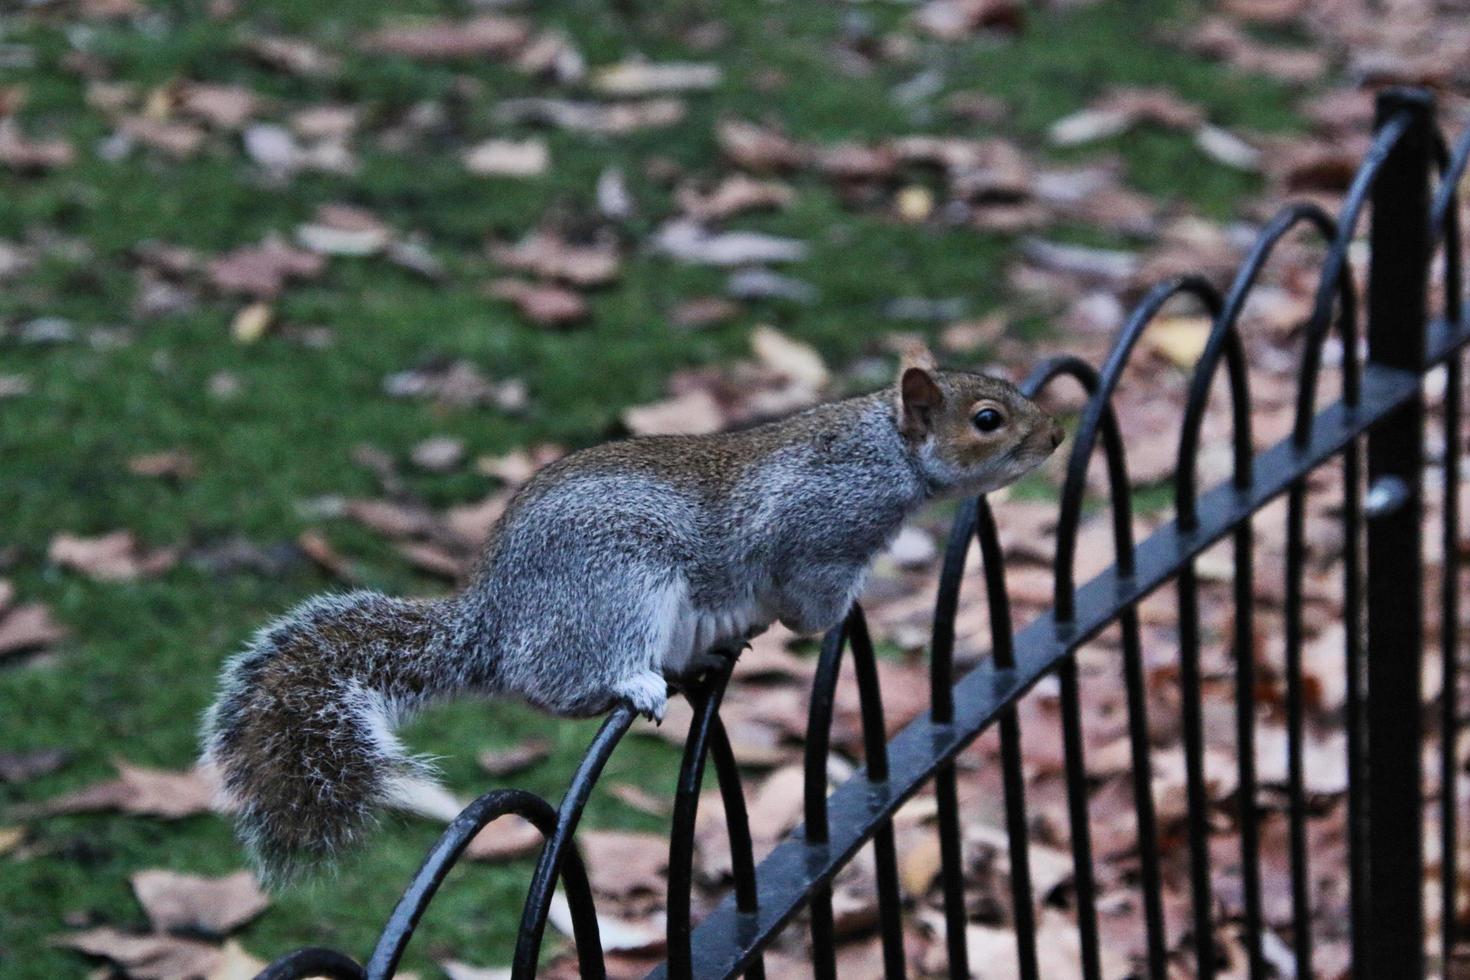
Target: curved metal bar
[569,813]
[737,826]
[941,710]
[1336,277]
[1224,340]
[1023,899]
[819,732]
[1445,224]
[451,844]
[946,608]
[706,702]
[1443,209]
[875,762]
[314,961]
[1138,730]
[1087,432]
[737,820]
[1295,780]
[853,632]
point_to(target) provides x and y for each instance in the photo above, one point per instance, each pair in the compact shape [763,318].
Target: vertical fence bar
[1398,276]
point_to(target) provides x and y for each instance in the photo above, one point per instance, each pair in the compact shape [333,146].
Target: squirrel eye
[988,420]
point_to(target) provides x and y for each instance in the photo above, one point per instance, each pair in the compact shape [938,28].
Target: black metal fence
[1410,178]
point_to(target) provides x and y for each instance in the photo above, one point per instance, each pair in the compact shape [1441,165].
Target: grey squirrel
[612,571]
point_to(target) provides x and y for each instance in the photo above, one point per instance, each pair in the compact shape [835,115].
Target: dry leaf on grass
[237,964]
[548,254]
[505,839]
[222,106]
[182,902]
[646,934]
[519,465]
[263,270]
[293,55]
[955,20]
[20,152]
[642,800]
[692,243]
[732,196]
[438,454]
[789,358]
[695,412]
[252,323]
[173,464]
[508,158]
[608,119]
[28,627]
[757,148]
[649,78]
[1178,339]
[139,791]
[344,230]
[621,863]
[147,957]
[544,304]
[455,970]
[115,557]
[10,838]
[519,757]
[180,140]
[457,384]
[442,40]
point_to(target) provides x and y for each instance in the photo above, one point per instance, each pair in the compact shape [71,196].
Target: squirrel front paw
[648,693]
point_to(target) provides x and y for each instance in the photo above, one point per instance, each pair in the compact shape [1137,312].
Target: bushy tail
[301,733]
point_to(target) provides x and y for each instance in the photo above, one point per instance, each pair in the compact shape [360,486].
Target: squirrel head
[969,433]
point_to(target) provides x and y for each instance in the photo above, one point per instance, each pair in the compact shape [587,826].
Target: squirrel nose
[1057,434]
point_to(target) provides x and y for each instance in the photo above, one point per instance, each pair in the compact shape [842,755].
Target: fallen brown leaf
[147,957]
[649,78]
[139,791]
[505,839]
[443,40]
[758,149]
[214,906]
[732,196]
[222,106]
[609,119]
[28,627]
[263,270]
[508,158]
[693,413]
[20,152]
[548,254]
[169,464]
[315,546]
[625,862]
[618,935]
[543,304]
[506,762]
[115,557]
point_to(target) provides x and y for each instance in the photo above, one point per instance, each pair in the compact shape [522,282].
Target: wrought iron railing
[1409,177]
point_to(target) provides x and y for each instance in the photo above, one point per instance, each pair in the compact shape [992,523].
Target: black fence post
[1390,937]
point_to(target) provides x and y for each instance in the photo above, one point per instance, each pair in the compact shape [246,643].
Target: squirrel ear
[919,398]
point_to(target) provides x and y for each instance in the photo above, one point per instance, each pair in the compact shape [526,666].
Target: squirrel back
[611,572]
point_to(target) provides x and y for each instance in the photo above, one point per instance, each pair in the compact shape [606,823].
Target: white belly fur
[692,631]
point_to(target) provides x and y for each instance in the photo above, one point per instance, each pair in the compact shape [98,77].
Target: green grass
[139,667]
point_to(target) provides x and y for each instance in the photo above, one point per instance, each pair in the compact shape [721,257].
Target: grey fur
[611,570]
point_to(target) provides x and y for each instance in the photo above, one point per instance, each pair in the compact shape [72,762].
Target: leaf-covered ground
[292,295]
